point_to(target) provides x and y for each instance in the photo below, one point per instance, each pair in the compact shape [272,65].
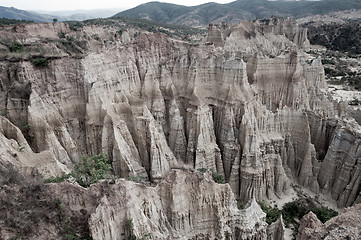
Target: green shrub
[292,210]
[17,47]
[4,113]
[240,205]
[272,213]
[24,125]
[202,170]
[353,80]
[328,61]
[88,171]
[147,236]
[218,178]
[61,34]
[69,38]
[96,37]
[128,224]
[91,170]
[57,179]
[40,62]
[129,229]
[324,213]
[75,25]
[334,72]
[354,102]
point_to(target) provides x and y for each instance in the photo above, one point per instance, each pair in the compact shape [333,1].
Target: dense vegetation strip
[293,211]
[6,21]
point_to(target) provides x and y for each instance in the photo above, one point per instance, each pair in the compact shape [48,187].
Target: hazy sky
[52,5]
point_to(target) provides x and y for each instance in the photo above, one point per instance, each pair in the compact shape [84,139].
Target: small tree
[17,47]
[91,170]
[55,20]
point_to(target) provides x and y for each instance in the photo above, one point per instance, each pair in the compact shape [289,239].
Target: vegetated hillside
[176,14]
[262,8]
[156,11]
[14,13]
[6,21]
[212,12]
[235,11]
[339,37]
[32,210]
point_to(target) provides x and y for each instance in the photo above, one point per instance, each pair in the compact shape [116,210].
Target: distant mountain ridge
[14,13]
[44,16]
[200,15]
[235,11]
[81,15]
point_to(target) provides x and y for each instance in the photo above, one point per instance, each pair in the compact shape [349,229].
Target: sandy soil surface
[339,93]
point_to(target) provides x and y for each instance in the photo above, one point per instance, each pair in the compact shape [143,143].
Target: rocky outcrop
[251,106]
[345,226]
[184,205]
[344,146]
[17,158]
[217,34]
[270,37]
[276,230]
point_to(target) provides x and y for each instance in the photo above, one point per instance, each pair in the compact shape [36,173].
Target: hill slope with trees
[235,11]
